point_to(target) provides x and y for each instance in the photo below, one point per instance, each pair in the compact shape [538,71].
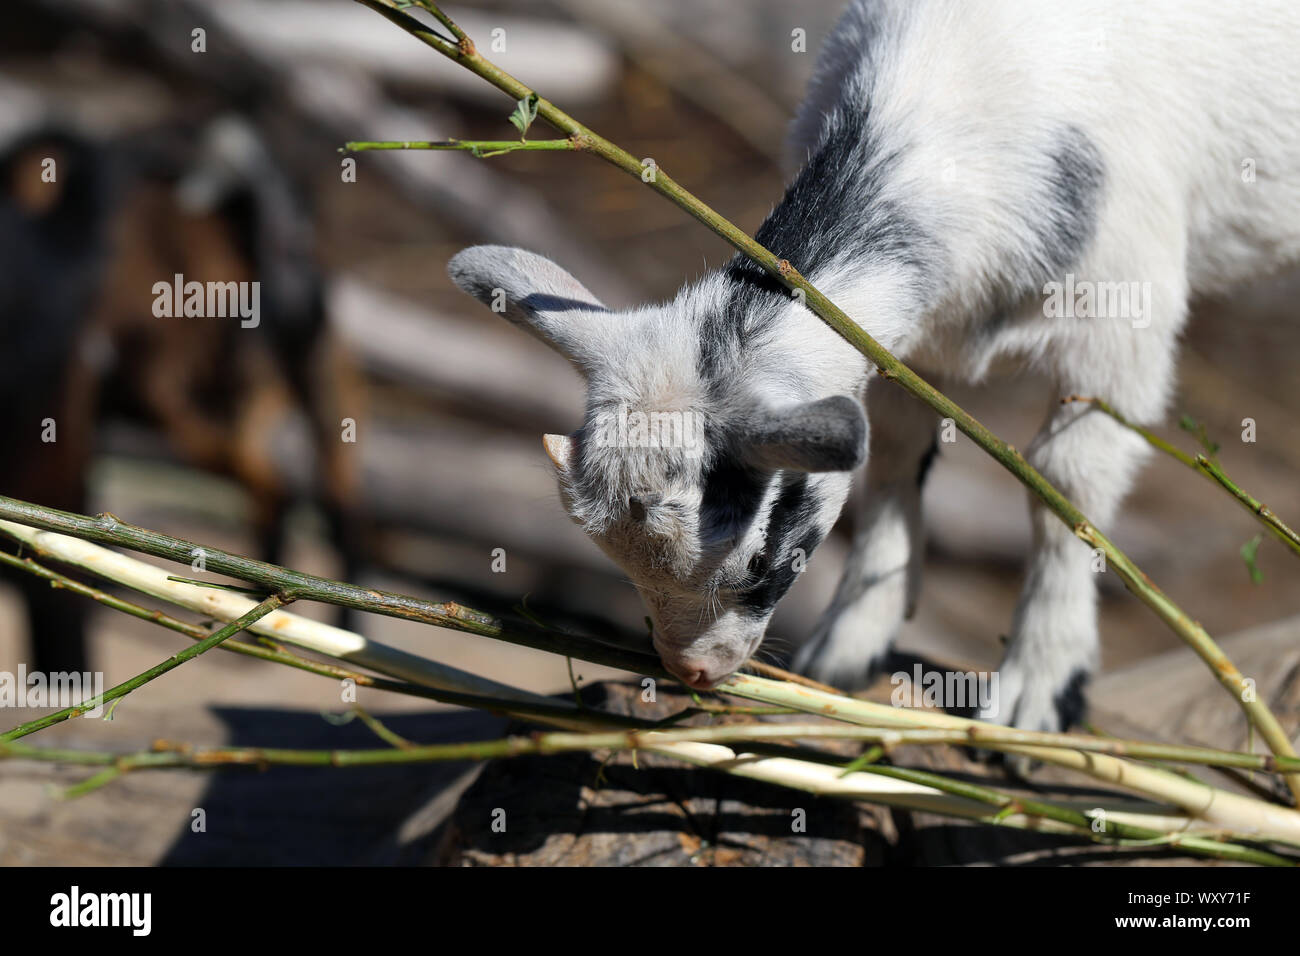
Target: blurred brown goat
[80,341]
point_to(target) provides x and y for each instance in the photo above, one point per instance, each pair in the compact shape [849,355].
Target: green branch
[482,148]
[109,529]
[1198,799]
[1203,465]
[167,755]
[980,735]
[1113,832]
[498,705]
[171,663]
[442,18]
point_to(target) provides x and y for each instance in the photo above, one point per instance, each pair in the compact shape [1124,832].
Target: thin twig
[1111,830]
[1203,465]
[176,660]
[109,529]
[1221,807]
[442,18]
[169,755]
[481,148]
[541,710]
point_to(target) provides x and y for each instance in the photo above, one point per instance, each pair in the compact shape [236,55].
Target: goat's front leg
[882,576]
[1092,459]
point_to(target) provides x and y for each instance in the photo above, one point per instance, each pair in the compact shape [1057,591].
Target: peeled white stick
[280,625]
[821,779]
[829,781]
[1222,808]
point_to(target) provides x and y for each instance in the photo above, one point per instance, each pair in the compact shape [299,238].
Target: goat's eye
[757,565]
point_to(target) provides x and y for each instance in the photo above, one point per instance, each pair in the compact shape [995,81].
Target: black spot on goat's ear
[536,294]
[825,435]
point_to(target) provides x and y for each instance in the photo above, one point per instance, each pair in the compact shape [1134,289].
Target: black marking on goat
[834,209]
[732,494]
[833,216]
[790,525]
[1075,190]
[927,461]
[545,302]
[1064,228]
[1071,701]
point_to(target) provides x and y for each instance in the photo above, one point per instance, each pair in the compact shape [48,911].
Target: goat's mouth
[705,671]
[697,677]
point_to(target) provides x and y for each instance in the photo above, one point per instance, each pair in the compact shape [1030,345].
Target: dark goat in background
[53,247]
[82,343]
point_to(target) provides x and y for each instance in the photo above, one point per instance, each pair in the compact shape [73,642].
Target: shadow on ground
[327,816]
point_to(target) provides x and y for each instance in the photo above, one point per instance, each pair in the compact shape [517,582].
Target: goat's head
[704,469]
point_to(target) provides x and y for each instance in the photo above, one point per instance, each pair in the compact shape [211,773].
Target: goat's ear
[559,448]
[825,435]
[533,292]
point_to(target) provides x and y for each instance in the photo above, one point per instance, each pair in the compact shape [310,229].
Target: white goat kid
[983,178]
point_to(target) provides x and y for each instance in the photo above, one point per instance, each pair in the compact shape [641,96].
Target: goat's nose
[696,675]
